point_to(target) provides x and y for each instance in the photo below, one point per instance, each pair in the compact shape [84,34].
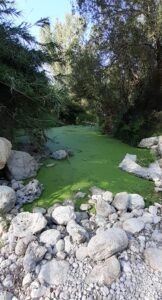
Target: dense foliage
[25,90]
[124,73]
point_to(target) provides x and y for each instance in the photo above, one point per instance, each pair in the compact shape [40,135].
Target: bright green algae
[95,162]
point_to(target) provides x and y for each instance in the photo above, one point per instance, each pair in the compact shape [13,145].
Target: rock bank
[64,254]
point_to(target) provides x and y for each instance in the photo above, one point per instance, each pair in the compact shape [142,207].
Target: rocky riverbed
[66,254]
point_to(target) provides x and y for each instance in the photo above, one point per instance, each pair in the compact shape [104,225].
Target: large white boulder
[27,223]
[148,142]
[153,257]
[7,198]
[63,214]
[131,166]
[5,151]
[105,273]
[107,243]
[153,172]
[54,272]
[21,165]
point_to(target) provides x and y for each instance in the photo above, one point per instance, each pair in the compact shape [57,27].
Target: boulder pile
[152,172]
[20,165]
[15,193]
[60,253]
[153,143]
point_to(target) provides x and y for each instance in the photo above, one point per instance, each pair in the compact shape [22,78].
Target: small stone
[82,253]
[157,236]
[147,218]
[156,219]
[27,280]
[34,254]
[153,210]
[20,248]
[54,272]
[107,243]
[63,214]
[120,201]
[37,293]
[77,232]
[113,217]
[100,221]
[8,282]
[136,201]
[61,255]
[103,208]
[133,225]
[153,257]
[50,237]
[39,210]
[68,245]
[7,198]
[80,195]
[59,154]
[60,245]
[107,196]
[96,191]
[105,273]
[126,267]
[125,216]
[85,206]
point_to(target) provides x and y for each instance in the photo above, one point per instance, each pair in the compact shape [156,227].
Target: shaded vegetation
[122,61]
[26,91]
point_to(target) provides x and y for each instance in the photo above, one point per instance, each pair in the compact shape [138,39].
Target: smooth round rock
[63,214]
[107,243]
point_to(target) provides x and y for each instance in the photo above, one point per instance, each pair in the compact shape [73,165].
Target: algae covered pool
[95,162]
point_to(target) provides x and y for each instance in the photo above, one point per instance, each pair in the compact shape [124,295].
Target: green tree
[68,36]
[127,37]
[25,88]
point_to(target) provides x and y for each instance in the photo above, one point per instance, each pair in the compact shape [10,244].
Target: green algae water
[95,162]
